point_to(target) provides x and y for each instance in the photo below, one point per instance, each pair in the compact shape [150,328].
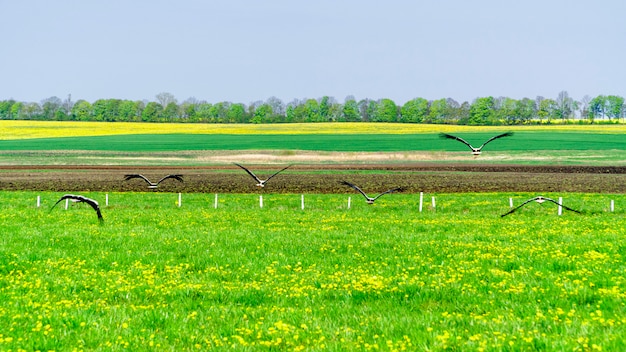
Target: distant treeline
[482,111]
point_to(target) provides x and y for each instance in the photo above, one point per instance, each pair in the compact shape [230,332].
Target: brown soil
[317,178]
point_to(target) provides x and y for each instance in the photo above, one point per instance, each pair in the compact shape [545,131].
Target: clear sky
[248,50]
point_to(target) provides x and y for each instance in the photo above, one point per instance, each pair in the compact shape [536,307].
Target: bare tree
[564,105]
[277,105]
[50,106]
[165,99]
[583,106]
[68,104]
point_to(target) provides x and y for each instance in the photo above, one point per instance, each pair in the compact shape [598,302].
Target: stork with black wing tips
[81,199]
[540,200]
[475,151]
[260,182]
[368,199]
[150,183]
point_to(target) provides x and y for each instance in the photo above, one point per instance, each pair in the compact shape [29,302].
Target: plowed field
[322,178]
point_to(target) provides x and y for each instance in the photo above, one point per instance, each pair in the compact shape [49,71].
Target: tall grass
[157,276]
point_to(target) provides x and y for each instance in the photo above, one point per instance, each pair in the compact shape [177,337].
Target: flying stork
[261,183]
[475,151]
[539,199]
[78,199]
[370,200]
[153,184]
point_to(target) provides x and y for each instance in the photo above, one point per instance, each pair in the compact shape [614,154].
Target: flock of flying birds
[261,182]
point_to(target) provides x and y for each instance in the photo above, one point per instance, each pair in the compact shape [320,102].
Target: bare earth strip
[322,178]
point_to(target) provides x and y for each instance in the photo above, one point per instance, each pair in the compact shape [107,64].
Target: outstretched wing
[517,207]
[355,187]
[557,203]
[507,134]
[176,177]
[277,172]
[94,204]
[64,197]
[249,172]
[130,177]
[449,136]
[399,189]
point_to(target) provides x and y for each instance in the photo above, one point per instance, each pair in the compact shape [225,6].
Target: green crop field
[521,141]
[156,276]
[32,142]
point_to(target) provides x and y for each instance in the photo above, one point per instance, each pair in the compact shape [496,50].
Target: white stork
[153,184]
[370,200]
[261,183]
[475,151]
[78,199]
[539,199]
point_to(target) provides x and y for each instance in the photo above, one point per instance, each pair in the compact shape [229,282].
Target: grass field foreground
[386,276]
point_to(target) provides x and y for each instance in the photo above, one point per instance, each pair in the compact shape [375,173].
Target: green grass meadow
[156,276]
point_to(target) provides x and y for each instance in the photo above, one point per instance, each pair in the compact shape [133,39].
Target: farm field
[82,143]
[156,276]
[382,276]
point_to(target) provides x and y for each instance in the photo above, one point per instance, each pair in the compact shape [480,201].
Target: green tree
[597,107]
[152,112]
[415,110]
[350,110]
[324,108]
[482,111]
[219,112]
[387,110]
[311,111]
[262,114]
[367,109]
[16,110]
[438,111]
[130,110]
[546,110]
[506,110]
[82,110]
[6,109]
[614,106]
[170,112]
[203,112]
[237,113]
[525,110]
[290,113]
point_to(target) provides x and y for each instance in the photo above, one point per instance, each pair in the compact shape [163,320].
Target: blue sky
[245,51]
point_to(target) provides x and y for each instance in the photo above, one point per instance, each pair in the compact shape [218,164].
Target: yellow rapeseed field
[10,129]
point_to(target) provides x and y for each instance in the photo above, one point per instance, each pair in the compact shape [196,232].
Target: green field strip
[521,141]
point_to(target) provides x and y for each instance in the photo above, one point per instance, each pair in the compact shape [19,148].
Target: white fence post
[180,199]
[421,200]
[434,207]
[349,199]
[215,203]
[38,201]
[302,201]
[261,201]
[106,199]
[560,207]
[67,203]
[612,206]
[511,202]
